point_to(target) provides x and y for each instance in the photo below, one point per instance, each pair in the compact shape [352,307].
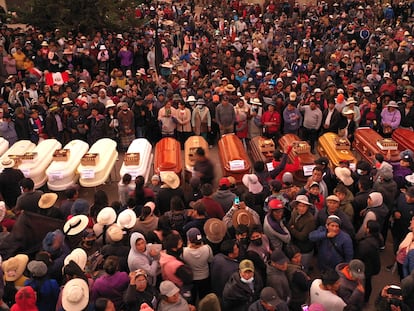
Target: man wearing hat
[334,245]
[351,280]
[170,187]
[243,288]
[269,300]
[332,208]
[273,225]
[9,182]
[276,274]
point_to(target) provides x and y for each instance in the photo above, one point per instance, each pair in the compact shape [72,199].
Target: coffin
[368,142]
[18,149]
[137,160]
[93,175]
[190,147]
[167,156]
[328,147]
[233,157]
[301,149]
[61,173]
[34,163]
[404,138]
[262,149]
[4,145]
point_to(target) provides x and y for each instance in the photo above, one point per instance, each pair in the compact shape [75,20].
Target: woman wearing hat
[300,225]
[390,118]
[139,291]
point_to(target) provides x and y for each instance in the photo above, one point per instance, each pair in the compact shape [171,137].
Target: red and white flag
[56,78]
[36,72]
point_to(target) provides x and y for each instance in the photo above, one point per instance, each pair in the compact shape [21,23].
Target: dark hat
[406,155]
[194,235]
[269,296]
[322,161]
[37,268]
[357,269]
[333,218]
[278,257]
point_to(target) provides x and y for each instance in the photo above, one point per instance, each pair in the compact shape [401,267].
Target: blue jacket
[332,251]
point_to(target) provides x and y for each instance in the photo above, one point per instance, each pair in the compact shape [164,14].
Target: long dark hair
[139,190]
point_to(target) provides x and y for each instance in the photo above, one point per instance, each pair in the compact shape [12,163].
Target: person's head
[293,254]
[301,204]
[330,280]
[341,191]
[111,265]
[279,260]
[26,184]
[275,186]
[255,235]
[242,232]
[71,193]
[230,248]
[126,179]
[364,183]
[140,243]
[155,180]
[206,190]
[177,204]
[276,209]
[333,225]
[409,195]
[375,199]
[373,227]
[314,188]
[246,271]
[101,198]
[200,153]
[173,242]
[317,174]
[139,182]
[169,292]
[141,280]
[104,304]
[332,204]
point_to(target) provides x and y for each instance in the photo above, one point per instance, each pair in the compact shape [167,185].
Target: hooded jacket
[138,260]
[348,289]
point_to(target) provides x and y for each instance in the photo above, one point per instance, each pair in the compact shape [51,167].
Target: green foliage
[80,15]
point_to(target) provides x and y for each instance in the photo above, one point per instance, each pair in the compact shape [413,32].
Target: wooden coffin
[301,149]
[368,142]
[262,149]
[332,147]
[233,157]
[404,138]
[168,156]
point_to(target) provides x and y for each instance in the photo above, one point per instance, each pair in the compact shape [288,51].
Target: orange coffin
[331,146]
[168,156]
[233,157]
[368,142]
[301,149]
[404,138]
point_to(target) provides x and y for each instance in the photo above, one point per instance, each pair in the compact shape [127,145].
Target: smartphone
[305,307]
[236,201]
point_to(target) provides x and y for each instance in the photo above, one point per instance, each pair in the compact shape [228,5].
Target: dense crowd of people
[213,69]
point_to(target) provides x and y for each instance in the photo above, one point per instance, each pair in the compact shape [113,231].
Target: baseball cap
[246,265]
[357,269]
[194,235]
[224,181]
[279,257]
[333,218]
[275,204]
[269,296]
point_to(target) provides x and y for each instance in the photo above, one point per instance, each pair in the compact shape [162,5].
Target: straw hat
[215,230]
[114,233]
[242,217]
[75,295]
[75,225]
[14,267]
[7,163]
[127,219]
[170,179]
[79,256]
[47,200]
[106,216]
[344,175]
[229,88]
[66,101]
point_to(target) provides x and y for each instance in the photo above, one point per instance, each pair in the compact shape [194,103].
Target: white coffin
[4,145]
[62,174]
[144,148]
[95,175]
[19,148]
[36,168]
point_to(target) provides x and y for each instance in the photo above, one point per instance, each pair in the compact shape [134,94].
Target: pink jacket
[169,265]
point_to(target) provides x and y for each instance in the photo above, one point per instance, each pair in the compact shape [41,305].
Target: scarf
[276,225]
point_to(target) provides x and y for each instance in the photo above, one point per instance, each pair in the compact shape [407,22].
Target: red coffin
[368,142]
[262,149]
[168,156]
[300,149]
[404,138]
[233,157]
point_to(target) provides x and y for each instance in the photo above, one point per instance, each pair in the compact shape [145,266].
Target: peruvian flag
[56,78]
[35,72]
